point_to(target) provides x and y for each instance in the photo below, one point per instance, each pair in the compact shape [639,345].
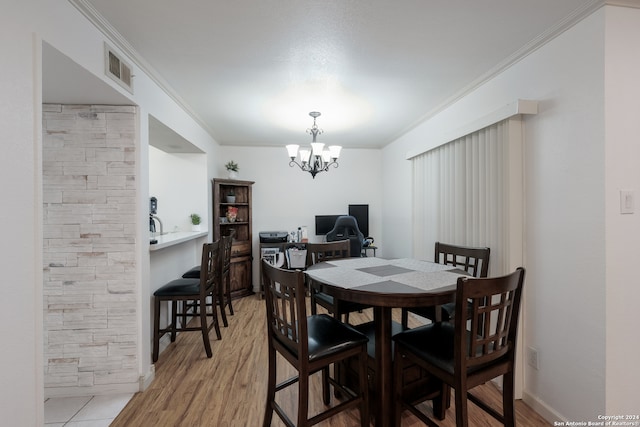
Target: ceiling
[250,71]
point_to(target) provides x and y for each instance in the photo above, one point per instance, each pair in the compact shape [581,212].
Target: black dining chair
[461,355]
[224,279]
[310,344]
[474,261]
[319,252]
[185,290]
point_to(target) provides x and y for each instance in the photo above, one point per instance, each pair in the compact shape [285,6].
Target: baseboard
[544,410]
[96,390]
[145,380]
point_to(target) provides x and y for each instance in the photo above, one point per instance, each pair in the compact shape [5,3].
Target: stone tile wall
[89,180]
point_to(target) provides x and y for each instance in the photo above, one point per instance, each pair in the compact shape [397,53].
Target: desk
[365,249]
[385,284]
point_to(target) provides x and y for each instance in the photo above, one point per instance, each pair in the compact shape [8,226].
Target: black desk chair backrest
[310,344]
[464,355]
[346,227]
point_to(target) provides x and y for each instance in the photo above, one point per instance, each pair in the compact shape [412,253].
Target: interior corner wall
[622,115]
[564,148]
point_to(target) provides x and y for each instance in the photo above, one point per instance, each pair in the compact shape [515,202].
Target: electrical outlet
[532,357]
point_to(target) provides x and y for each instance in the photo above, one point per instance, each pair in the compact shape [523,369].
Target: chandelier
[317,159]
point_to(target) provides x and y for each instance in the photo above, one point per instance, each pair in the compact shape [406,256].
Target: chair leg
[405,319]
[156,328]
[174,319]
[204,327]
[508,400]
[303,398]
[221,304]
[326,392]
[214,315]
[314,307]
[398,367]
[462,414]
[364,388]
[442,402]
[228,290]
[271,388]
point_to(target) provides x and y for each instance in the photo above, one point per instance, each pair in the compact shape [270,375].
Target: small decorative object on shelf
[195,222]
[231,196]
[232,213]
[232,169]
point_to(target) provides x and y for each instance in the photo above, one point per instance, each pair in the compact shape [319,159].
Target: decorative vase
[233,174]
[231,199]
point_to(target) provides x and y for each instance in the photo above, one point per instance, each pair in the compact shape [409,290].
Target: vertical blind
[461,195]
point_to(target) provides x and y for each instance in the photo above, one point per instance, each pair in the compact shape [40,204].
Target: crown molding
[623,3]
[115,38]
[560,27]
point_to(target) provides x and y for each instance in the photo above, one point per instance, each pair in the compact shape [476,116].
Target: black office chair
[462,356]
[310,344]
[346,227]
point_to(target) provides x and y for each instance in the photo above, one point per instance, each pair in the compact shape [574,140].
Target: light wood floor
[229,389]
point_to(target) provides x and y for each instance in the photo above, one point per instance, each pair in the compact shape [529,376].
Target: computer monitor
[325,223]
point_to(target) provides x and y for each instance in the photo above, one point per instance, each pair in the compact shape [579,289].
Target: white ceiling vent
[116,68]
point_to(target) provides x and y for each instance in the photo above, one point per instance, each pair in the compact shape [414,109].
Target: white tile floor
[89,411]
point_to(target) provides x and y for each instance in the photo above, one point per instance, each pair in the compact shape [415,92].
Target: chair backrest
[225,253]
[492,305]
[209,268]
[474,261]
[318,252]
[346,227]
[285,294]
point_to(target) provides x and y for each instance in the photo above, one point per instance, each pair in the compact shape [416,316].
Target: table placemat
[389,287]
[419,265]
[343,277]
[427,281]
[385,270]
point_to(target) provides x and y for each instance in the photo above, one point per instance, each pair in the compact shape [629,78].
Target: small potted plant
[195,222]
[232,169]
[231,196]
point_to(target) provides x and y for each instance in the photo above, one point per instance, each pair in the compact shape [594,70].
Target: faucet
[152,225]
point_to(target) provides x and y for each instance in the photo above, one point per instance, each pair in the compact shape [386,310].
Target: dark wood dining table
[385,284]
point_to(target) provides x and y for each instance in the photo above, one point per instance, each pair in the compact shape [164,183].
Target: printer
[273,236]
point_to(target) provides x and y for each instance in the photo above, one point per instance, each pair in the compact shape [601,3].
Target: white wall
[573,171]
[21,359]
[179,182]
[622,154]
[285,198]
